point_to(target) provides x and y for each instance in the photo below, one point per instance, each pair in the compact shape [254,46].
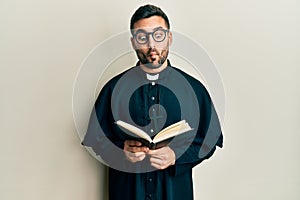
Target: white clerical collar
[152,77]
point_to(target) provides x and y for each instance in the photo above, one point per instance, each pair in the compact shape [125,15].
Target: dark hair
[147,11]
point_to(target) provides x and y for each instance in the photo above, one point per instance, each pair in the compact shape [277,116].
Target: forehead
[150,23]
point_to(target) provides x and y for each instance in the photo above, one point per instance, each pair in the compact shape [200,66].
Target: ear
[133,43]
[170,38]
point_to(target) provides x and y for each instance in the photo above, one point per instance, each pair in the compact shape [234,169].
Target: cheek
[141,54]
[162,46]
[141,50]
[163,52]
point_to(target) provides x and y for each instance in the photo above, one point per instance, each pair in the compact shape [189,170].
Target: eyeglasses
[142,37]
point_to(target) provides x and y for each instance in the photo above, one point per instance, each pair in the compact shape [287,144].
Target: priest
[151,96]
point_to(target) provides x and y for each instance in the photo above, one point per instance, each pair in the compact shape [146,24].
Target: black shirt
[153,105]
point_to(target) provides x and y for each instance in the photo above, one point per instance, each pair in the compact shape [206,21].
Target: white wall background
[255,45]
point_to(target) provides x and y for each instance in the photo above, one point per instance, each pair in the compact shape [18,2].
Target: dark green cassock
[152,103]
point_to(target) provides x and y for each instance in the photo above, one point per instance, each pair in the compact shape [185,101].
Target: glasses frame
[150,33]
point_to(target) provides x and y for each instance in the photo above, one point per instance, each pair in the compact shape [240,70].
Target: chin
[153,65]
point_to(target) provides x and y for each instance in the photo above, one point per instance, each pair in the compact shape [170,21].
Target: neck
[155,70]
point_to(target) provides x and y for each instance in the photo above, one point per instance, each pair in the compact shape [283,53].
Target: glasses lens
[159,35]
[141,37]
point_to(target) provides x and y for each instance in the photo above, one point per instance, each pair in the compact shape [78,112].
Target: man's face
[150,50]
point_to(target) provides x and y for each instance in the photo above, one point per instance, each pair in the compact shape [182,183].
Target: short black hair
[147,11]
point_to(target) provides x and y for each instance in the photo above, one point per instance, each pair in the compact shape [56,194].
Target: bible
[161,139]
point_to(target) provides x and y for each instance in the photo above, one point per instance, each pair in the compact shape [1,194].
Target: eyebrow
[155,29]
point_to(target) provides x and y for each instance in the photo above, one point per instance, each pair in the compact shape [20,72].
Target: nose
[151,42]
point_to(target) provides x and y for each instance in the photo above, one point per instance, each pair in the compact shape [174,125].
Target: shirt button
[151,130]
[149,196]
[150,179]
[153,83]
[153,98]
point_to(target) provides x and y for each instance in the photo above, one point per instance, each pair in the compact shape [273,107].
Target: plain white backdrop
[255,45]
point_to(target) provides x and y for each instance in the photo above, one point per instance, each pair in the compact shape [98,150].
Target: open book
[161,139]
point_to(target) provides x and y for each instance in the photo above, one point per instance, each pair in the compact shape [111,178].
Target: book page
[171,131]
[170,128]
[134,130]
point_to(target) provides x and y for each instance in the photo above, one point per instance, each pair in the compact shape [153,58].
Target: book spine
[152,146]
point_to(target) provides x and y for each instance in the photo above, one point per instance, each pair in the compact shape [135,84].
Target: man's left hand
[162,158]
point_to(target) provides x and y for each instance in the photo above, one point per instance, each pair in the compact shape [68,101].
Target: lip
[153,54]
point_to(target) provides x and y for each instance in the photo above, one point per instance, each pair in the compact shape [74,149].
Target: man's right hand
[135,151]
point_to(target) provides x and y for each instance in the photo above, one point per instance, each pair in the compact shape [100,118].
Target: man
[152,95]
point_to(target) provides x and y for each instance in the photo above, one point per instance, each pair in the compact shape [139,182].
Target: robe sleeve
[207,138]
[101,134]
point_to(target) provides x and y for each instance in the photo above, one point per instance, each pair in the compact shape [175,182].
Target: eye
[141,37]
[159,35]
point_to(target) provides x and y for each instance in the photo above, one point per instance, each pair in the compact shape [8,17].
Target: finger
[162,158]
[136,149]
[140,158]
[156,154]
[157,151]
[138,154]
[133,143]
[129,144]
[159,164]
[156,161]
[135,157]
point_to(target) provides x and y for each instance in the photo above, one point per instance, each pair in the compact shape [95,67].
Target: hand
[134,151]
[162,158]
